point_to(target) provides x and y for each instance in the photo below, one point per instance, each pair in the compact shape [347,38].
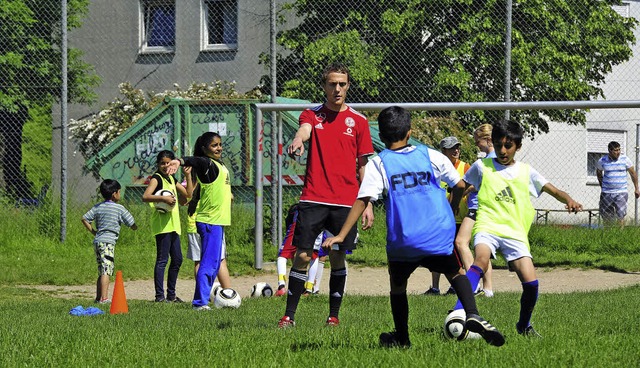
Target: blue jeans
[167,244]
[210,258]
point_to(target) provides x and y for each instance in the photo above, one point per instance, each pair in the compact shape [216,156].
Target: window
[622,9]
[219,25]
[157,26]
[597,142]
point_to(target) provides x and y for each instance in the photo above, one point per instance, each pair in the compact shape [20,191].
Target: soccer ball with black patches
[163,207]
[261,289]
[214,290]
[454,326]
[227,298]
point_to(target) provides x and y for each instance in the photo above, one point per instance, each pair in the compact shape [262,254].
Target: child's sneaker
[451,291]
[490,334]
[160,300]
[201,307]
[282,290]
[529,332]
[432,291]
[286,322]
[332,321]
[175,300]
[393,340]
[104,301]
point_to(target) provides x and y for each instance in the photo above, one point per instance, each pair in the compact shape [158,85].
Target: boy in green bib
[505,214]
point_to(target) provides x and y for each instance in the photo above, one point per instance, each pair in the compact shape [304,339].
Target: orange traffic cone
[119,299]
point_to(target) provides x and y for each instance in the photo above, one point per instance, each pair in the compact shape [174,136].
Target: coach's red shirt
[337,139]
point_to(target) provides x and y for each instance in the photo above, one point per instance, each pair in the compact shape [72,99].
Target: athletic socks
[464,291]
[281,265]
[400,312]
[337,281]
[316,284]
[474,275]
[297,279]
[527,303]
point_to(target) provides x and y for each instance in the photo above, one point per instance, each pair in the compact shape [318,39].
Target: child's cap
[449,142]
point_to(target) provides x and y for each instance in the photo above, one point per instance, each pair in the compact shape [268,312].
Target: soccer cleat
[393,340]
[488,293]
[201,308]
[286,322]
[307,293]
[432,291]
[282,290]
[451,291]
[332,321]
[529,332]
[490,334]
[160,300]
[479,293]
[175,300]
[104,301]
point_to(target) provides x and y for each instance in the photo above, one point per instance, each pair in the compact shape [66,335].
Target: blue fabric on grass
[80,311]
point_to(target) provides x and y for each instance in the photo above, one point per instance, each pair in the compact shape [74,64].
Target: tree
[30,60]
[453,51]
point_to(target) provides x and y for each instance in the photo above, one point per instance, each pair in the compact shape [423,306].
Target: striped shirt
[108,217]
[614,173]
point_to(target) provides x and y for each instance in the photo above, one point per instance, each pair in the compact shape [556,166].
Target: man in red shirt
[339,143]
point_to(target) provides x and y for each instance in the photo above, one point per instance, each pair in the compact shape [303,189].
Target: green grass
[579,329]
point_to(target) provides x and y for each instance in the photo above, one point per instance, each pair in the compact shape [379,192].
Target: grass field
[580,329]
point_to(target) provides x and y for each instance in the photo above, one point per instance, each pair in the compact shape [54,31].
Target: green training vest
[162,223]
[504,209]
[214,207]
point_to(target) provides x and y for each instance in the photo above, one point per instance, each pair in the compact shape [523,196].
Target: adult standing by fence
[611,171]
[339,143]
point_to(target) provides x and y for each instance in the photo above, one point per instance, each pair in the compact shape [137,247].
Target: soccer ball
[261,289]
[227,298]
[214,290]
[161,206]
[454,326]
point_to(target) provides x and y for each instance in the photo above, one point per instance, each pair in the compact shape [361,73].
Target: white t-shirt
[536,181]
[375,181]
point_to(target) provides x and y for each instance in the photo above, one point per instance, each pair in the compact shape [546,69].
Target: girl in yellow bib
[505,214]
[214,210]
[166,225]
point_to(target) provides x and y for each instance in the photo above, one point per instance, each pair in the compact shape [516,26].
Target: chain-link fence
[149,75]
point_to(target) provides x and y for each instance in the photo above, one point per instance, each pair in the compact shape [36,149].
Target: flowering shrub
[97,131]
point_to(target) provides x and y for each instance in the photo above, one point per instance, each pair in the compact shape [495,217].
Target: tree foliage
[453,51]
[31,78]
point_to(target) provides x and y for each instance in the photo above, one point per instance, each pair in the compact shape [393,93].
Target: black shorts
[399,271]
[315,217]
[472,214]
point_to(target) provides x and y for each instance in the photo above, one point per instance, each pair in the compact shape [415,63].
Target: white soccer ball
[214,290]
[454,326]
[227,298]
[162,207]
[261,289]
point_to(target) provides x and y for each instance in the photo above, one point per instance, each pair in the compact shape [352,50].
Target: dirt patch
[375,281]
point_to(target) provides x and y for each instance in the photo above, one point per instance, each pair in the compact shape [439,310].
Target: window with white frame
[219,25]
[157,26]
[622,9]
[597,142]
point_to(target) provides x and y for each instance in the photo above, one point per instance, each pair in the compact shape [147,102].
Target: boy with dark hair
[409,178]
[108,216]
[505,214]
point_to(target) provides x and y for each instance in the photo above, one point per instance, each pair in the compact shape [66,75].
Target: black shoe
[529,332]
[175,300]
[393,340]
[432,291]
[160,300]
[490,334]
[451,291]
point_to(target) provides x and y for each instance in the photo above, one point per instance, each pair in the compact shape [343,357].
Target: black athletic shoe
[175,300]
[529,332]
[393,340]
[490,334]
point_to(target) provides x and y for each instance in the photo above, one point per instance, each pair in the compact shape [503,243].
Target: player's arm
[367,216]
[149,194]
[88,226]
[570,204]
[634,179]
[296,148]
[457,192]
[185,194]
[354,214]
[599,176]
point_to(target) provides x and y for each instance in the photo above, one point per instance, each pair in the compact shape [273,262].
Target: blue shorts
[613,206]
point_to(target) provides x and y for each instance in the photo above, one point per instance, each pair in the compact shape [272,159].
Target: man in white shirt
[611,171]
